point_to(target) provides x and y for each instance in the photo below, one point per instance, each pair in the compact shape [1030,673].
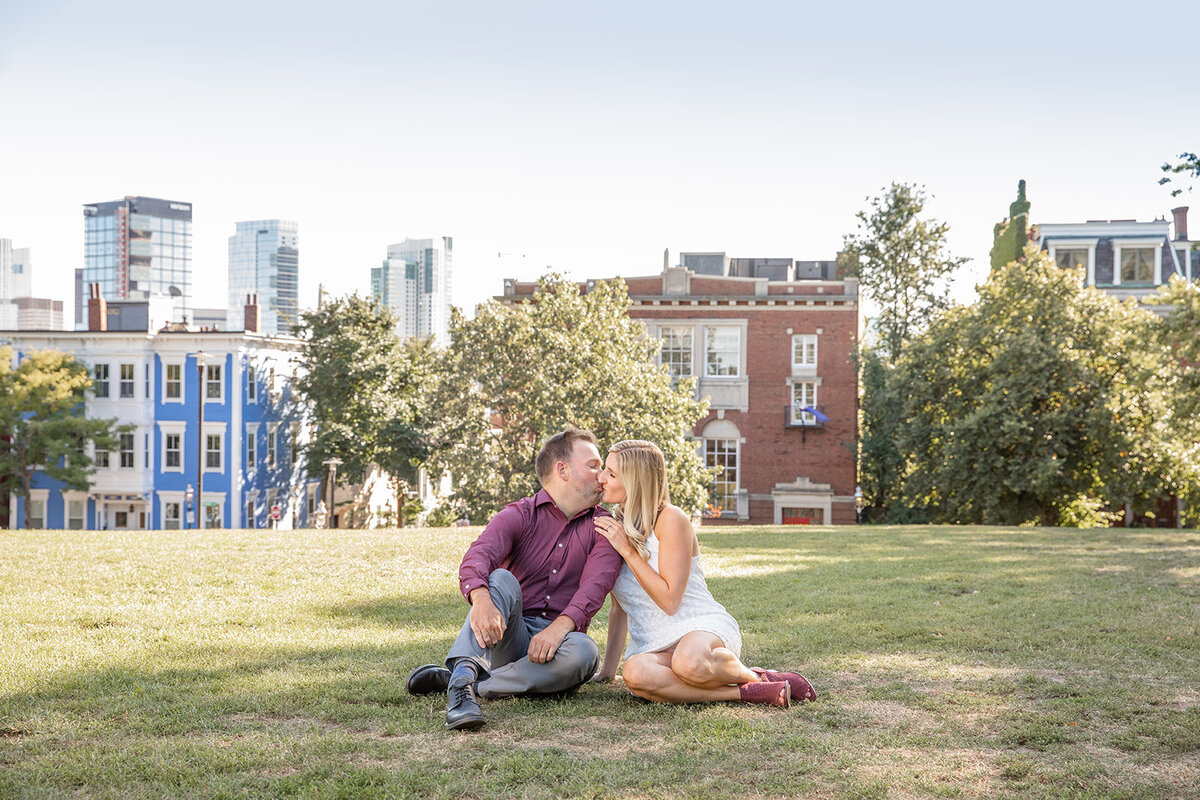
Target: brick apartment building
[766,338]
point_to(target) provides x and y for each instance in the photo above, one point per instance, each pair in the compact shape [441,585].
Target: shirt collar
[543,497]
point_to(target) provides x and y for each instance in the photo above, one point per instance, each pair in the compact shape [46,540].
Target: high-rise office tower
[264,259]
[138,248]
[22,273]
[414,282]
[8,310]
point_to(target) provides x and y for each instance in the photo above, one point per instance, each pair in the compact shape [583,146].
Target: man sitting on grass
[534,579]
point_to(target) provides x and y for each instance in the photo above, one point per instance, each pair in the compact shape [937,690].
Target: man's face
[584,467]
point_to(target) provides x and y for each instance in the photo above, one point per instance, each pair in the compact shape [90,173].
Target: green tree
[1187,165]
[1179,330]
[902,264]
[42,411]
[517,373]
[366,390]
[1046,401]
[881,464]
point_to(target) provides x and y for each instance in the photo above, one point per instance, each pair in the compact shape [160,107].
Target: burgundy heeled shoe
[802,690]
[770,693]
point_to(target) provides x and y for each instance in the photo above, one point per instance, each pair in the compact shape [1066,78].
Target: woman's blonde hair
[644,475]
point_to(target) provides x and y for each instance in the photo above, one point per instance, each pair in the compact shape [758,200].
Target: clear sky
[586,137]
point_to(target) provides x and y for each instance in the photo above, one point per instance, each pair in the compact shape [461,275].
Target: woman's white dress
[651,629]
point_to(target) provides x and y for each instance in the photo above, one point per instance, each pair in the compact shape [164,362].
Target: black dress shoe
[429,679]
[462,709]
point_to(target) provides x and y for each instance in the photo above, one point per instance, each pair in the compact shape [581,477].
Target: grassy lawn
[951,662]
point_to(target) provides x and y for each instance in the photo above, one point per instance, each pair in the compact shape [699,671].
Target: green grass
[951,662]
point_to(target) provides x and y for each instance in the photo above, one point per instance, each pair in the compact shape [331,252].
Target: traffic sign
[275,512]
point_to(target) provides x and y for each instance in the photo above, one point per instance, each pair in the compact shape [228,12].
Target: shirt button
[560,544]
[543,613]
[553,572]
[547,597]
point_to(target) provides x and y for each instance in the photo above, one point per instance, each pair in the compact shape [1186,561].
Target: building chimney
[97,309]
[253,318]
[1180,215]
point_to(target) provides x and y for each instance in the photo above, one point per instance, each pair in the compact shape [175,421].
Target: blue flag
[821,418]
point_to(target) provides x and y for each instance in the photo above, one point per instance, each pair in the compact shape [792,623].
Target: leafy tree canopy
[515,374]
[42,413]
[902,264]
[1188,165]
[1046,401]
[365,388]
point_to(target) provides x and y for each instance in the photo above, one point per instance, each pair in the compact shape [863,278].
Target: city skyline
[580,140]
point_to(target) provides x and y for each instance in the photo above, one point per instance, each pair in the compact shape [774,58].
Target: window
[251,385]
[127,380]
[146,451]
[174,451]
[271,446]
[250,521]
[212,384]
[1074,258]
[804,393]
[1137,265]
[294,442]
[803,516]
[37,513]
[121,519]
[676,353]
[174,383]
[75,510]
[126,440]
[100,381]
[212,515]
[212,451]
[722,351]
[721,454]
[171,516]
[804,350]
[251,447]
[101,458]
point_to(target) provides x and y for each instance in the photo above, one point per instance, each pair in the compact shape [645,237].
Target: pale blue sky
[585,137]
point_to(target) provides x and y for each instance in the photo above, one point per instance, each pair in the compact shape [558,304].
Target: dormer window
[1137,265]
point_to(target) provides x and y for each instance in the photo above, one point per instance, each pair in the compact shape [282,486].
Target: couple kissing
[543,567]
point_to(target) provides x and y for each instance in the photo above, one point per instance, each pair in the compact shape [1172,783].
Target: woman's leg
[702,660]
[650,677]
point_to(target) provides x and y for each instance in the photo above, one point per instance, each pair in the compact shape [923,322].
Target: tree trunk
[26,485]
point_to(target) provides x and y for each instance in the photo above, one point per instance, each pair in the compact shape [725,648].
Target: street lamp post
[201,357]
[858,505]
[332,464]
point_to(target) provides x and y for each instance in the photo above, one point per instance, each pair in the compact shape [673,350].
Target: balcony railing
[794,417]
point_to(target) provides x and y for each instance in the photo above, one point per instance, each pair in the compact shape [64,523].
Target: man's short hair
[558,448]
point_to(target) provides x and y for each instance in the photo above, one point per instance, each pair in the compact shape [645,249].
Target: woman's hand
[614,531]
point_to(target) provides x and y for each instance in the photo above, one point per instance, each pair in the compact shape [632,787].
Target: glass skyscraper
[264,259]
[414,282]
[8,310]
[138,248]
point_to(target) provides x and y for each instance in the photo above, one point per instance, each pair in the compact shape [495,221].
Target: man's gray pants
[505,668]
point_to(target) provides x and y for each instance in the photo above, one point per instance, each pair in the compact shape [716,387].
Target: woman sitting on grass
[683,645]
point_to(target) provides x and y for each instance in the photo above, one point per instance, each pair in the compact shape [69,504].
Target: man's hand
[486,621]
[544,644]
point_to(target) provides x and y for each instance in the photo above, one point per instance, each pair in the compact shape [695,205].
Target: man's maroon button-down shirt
[563,565]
